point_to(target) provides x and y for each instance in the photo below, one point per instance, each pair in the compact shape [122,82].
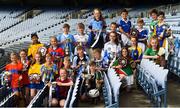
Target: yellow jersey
[33,49]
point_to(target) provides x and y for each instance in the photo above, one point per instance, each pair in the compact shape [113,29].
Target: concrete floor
[137,98]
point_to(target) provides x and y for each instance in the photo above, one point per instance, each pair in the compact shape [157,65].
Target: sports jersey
[33,49]
[125,25]
[15,70]
[48,72]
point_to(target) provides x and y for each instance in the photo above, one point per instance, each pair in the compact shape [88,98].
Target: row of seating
[111,89]
[153,79]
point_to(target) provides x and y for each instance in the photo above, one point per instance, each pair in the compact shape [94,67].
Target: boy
[162,30]
[34,47]
[81,38]
[80,59]
[66,40]
[124,23]
[153,15]
[142,34]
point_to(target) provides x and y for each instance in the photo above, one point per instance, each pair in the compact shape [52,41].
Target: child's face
[63,74]
[97,55]
[66,63]
[92,67]
[140,25]
[65,29]
[113,27]
[154,16]
[112,37]
[124,15]
[34,39]
[37,58]
[154,43]
[53,42]
[133,41]
[80,52]
[80,30]
[13,58]
[48,58]
[124,52]
[97,14]
[160,18]
[22,54]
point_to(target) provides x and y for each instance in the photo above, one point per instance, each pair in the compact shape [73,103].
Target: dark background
[85,3]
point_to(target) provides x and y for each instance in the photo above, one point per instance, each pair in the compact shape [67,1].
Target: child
[123,68]
[98,59]
[80,59]
[113,28]
[34,47]
[49,70]
[135,50]
[66,40]
[153,15]
[25,78]
[124,26]
[161,29]
[97,24]
[113,47]
[81,38]
[34,75]
[15,68]
[142,34]
[63,85]
[56,51]
[67,66]
[92,80]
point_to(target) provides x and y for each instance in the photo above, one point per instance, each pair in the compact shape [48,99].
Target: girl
[113,47]
[63,85]
[135,50]
[56,52]
[15,68]
[25,78]
[124,69]
[49,70]
[34,75]
[152,51]
[97,24]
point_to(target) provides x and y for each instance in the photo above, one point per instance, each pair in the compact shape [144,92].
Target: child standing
[56,51]
[34,47]
[66,40]
[15,68]
[97,25]
[34,75]
[142,34]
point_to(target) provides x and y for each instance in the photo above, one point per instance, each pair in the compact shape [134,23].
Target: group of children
[121,48]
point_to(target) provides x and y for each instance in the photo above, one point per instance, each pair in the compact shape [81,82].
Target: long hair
[154,38]
[34,61]
[116,40]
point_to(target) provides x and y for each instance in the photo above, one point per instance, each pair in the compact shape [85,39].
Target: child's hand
[20,78]
[156,57]
[71,83]
[119,66]
[59,83]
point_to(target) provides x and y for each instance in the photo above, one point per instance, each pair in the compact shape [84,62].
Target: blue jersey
[125,25]
[71,39]
[97,24]
[142,33]
[160,31]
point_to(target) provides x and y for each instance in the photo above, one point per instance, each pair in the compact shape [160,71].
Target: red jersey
[14,69]
[25,78]
[56,52]
[63,90]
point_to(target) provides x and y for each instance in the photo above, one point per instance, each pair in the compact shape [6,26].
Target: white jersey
[112,48]
[81,38]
